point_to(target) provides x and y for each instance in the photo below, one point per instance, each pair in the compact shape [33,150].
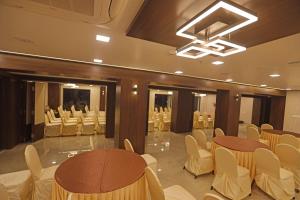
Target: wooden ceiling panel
[158,20]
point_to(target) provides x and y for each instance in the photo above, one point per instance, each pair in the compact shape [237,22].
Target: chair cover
[199,161]
[150,126]
[209,196]
[88,127]
[18,185]
[230,180]
[289,158]
[266,126]
[275,181]
[3,193]
[128,146]
[219,132]
[43,178]
[175,192]
[164,122]
[289,139]
[253,134]
[201,139]
[51,129]
[252,125]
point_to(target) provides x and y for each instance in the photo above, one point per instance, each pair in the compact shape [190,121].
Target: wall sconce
[237,97]
[134,89]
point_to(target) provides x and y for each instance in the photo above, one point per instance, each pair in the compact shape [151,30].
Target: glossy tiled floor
[167,147]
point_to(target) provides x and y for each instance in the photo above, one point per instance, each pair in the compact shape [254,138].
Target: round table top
[100,171]
[239,144]
[280,132]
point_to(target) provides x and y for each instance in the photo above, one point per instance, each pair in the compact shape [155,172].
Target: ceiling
[67,34]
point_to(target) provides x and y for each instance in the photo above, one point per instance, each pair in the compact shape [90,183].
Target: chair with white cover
[3,193]
[42,177]
[53,116]
[150,160]
[271,178]
[289,139]
[75,113]
[65,117]
[219,132]
[89,112]
[201,139]
[266,126]
[252,125]
[253,134]
[164,122]
[174,192]
[289,158]
[51,129]
[199,161]
[88,127]
[17,185]
[209,196]
[150,126]
[51,119]
[231,180]
[69,128]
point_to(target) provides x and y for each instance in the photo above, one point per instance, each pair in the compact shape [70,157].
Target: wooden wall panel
[277,112]
[182,111]
[102,98]
[53,95]
[256,111]
[110,110]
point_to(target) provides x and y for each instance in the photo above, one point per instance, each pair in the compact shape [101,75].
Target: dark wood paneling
[53,95]
[37,131]
[158,21]
[102,98]
[182,111]
[110,110]
[277,112]
[256,111]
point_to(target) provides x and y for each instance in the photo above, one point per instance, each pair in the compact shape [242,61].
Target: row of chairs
[159,120]
[202,121]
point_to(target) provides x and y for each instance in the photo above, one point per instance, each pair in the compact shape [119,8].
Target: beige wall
[292,112]
[41,100]
[207,104]
[246,110]
[152,97]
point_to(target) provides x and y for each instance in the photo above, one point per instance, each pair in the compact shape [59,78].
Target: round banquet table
[242,148]
[112,174]
[273,136]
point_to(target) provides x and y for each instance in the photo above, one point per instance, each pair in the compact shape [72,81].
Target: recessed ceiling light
[202,95]
[263,85]
[102,38]
[91,85]
[229,80]
[217,62]
[274,75]
[170,92]
[96,60]
[178,72]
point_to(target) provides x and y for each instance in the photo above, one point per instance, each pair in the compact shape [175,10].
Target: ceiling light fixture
[229,80]
[274,75]
[263,85]
[96,60]
[170,92]
[102,38]
[178,72]
[91,85]
[217,62]
[202,95]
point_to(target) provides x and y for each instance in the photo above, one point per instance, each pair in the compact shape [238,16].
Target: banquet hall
[149,100]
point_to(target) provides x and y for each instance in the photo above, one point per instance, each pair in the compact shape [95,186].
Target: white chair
[231,180]
[65,117]
[253,134]
[199,161]
[150,160]
[271,178]
[88,127]
[3,193]
[51,129]
[69,128]
[43,177]
[266,126]
[209,196]
[201,139]
[252,125]
[174,192]
[289,158]
[75,113]
[88,112]
[150,126]
[17,185]
[219,132]
[51,119]
[164,122]
[290,139]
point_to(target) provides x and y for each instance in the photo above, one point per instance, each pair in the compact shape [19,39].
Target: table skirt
[135,191]
[245,159]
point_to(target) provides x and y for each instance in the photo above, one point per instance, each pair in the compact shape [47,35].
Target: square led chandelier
[206,30]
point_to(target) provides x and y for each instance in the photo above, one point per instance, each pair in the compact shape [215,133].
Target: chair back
[226,162]
[288,155]
[219,132]
[289,139]
[155,188]
[209,196]
[201,138]
[3,192]
[86,108]
[267,162]
[191,146]
[252,133]
[73,109]
[266,126]
[252,125]
[52,114]
[128,146]
[49,116]
[47,122]
[33,161]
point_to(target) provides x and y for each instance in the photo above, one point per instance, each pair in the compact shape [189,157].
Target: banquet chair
[271,178]
[253,134]
[51,129]
[164,123]
[17,185]
[88,111]
[150,160]
[88,127]
[51,119]
[266,126]
[290,139]
[252,125]
[170,193]
[65,117]
[53,116]
[231,180]
[75,113]
[150,126]
[209,196]
[289,158]
[3,193]
[219,132]
[42,177]
[201,139]
[199,161]
[69,128]
[196,123]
